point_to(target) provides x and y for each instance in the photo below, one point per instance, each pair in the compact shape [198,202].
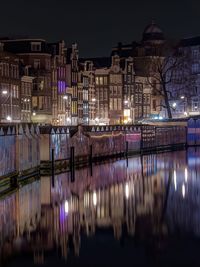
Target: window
[195,68]
[36,63]
[115,104]
[195,53]
[111,104]
[47,63]
[34,101]
[105,80]
[41,102]
[154,104]
[125,89]
[129,78]
[105,94]
[119,104]
[101,80]
[97,80]
[35,46]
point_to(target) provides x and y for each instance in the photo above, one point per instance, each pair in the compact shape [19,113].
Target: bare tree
[161,68]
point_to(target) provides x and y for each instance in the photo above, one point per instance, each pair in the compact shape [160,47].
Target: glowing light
[34,113]
[183,191]
[127,190]
[66,207]
[8,118]
[94,198]
[174,105]
[65,97]
[126,102]
[93,99]
[185,113]
[182,97]
[175,184]
[4,92]
[96,119]
[186,175]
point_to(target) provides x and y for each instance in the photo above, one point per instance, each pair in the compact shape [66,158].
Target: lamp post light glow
[182,97]
[8,118]
[93,99]
[65,97]
[4,92]
[34,113]
[174,105]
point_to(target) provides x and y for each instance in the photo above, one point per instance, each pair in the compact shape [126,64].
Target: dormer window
[36,46]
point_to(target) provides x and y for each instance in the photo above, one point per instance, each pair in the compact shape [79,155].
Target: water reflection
[152,203]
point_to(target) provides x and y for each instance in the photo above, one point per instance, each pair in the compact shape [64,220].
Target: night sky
[97,25]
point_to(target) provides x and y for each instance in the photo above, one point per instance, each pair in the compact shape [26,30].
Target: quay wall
[25,148]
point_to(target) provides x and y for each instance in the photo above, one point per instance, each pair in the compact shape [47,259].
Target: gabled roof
[99,62]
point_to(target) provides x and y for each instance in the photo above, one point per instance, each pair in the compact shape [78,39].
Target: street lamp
[182,97]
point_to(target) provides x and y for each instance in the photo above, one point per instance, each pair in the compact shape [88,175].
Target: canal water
[140,211]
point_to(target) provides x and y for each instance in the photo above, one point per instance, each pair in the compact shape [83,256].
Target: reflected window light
[66,207]
[183,191]
[175,184]
[94,198]
[127,190]
[186,174]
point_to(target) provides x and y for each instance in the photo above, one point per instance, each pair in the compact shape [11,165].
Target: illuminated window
[105,80]
[97,80]
[115,104]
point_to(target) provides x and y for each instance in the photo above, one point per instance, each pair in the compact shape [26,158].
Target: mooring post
[52,167]
[72,163]
[126,148]
[90,160]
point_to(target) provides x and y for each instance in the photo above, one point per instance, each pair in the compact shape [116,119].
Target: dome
[153,33]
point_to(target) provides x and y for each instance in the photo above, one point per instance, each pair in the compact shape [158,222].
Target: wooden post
[90,160]
[126,148]
[52,167]
[141,141]
[72,163]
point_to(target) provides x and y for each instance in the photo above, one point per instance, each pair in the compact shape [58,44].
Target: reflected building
[148,198]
